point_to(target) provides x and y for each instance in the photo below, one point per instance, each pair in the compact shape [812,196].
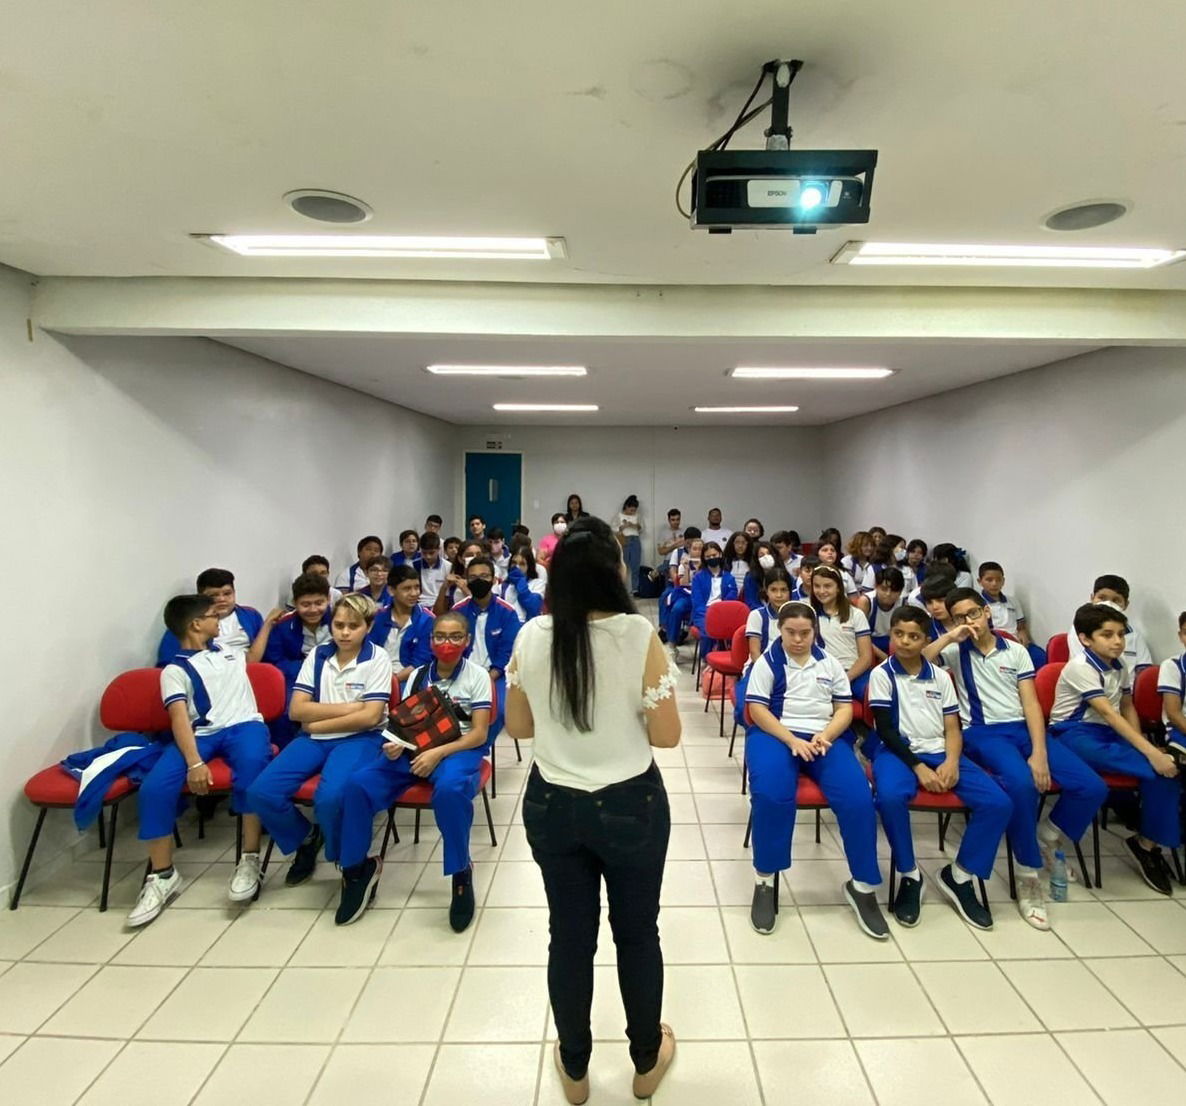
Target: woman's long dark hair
[581,512]
[585,575]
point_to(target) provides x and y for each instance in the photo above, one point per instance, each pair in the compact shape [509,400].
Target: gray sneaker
[763,909]
[869,916]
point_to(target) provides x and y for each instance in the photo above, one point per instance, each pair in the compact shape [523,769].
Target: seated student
[784,549]
[433,568]
[942,576]
[761,627]
[934,598]
[754,528]
[843,628]
[547,544]
[212,712]
[409,549]
[887,598]
[831,535]
[520,531]
[1093,715]
[1171,685]
[802,590]
[354,578]
[1005,733]
[493,627]
[737,553]
[525,583]
[340,700]
[450,548]
[751,587]
[451,769]
[403,628]
[238,626]
[675,604]
[433,524]
[1006,611]
[858,560]
[320,566]
[710,585]
[877,534]
[454,589]
[499,554]
[946,553]
[916,559]
[829,554]
[376,586]
[1112,591]
[918,744]
[800,706]
[891,553]
[477,527]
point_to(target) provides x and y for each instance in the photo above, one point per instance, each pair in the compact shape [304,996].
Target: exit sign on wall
[494,443]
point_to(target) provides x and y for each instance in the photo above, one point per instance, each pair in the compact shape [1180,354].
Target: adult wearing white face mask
[547,543]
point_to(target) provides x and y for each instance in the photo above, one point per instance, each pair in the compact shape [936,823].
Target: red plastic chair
[726,663]
[808,796]
[131,703]
[1057,649]
[720,623]
[1045,683]
[1147,701]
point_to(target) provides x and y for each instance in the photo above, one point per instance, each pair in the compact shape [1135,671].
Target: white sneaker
[154,895]
[245,881]
[1031,902]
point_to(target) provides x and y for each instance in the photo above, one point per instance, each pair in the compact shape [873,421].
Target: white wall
[130,464]
[770,473]
[1061,473]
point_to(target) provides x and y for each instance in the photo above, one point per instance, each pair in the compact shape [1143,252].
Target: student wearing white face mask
[547,544]
[761,558]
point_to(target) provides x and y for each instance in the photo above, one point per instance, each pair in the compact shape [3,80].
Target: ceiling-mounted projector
[798,190]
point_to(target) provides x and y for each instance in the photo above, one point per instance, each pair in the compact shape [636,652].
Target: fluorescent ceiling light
[1053,257]
[546,407]
[743,410]
[757,372]
[507,370]
[387,245]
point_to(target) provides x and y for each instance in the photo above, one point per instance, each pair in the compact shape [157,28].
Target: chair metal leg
[1095,844]
[107,858]
[388,830]
[748,829]
[15,901]
[263,867]
[942,834]
[733,737]
[723,691]
[777,881]
[518,751]
[102,824]
[1178,871]
[489,818]
[493,772]
[177,836]
[818,821]
[1082,867]
[893,883]
[712,672]
[744,774]
[416,835]
[238,838]
[1012,873]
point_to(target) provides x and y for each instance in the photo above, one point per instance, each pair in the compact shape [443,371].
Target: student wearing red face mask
[451,769]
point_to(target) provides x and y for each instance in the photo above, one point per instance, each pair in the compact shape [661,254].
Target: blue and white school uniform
[226,722]
[760,626]
[804,697]
[997,738]
[1171,680]
[840,638]
[406,645]
[751,591]
[1072,721]
[525,596]
[375,785]
[402,558]
[432,579]
[708,589]
[291,641]
[917,707]
[860,573]
[492,638]
[879,622]
[365,679]
[1136,648]
[353,578]
[739,570]
[236,632]
[1006,611]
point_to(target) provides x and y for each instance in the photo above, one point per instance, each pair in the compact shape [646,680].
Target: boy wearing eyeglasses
[1005,733]
[452,769]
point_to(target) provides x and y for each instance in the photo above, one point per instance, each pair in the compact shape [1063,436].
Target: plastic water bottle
[1058,878]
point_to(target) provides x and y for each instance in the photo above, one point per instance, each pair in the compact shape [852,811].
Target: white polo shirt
[921,702]
[719,536]
[1006,612]
[987,685]
[310,639]
[215,688]
[808,691]
[432,579]
[1084,678]
[231,636]
[478,653]
[840,638]
[1171,678]
[365,679]
[1136,649]
[762,623]
[353,578]
[468,687]
[879,620]
[395,639]
[739,570]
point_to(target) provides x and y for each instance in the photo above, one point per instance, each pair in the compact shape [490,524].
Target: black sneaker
[1152,863]
[908,900]
[358,890]
[461,907]
[304,862]
[662,635]
[963,898]
[763,909]
[869,916]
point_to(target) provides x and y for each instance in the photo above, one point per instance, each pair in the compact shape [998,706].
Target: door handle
[493,496]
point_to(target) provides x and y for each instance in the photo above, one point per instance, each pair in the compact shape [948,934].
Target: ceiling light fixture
[506,370]
[744,410]
[562,407]
[759,372]
[387,245]
[1053,257]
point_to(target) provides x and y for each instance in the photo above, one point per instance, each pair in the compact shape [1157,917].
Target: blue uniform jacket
[401,558]
[416,647]
[531,603]
[502,627]
[286,645]
[751,592]
[702,589]
[249,618]
[125,754]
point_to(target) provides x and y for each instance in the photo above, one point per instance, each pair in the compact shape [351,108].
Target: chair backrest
[1057,649]
[739,647]
[1145,696]
[1005,634]
[396,695]
[1045,682]
[267,681]
[132,703]
[722,619]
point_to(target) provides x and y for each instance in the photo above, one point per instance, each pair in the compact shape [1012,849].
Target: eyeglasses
[449,639]
[966,619]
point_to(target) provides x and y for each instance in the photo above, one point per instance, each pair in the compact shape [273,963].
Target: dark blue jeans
[578,838]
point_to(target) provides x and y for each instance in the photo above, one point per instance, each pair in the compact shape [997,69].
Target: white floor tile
[129,1080]
[692,935]
[259,939]
[1121,879]
[882,1000]
[788,944]
[1173,1039]
[305,1004]
[941,934]
[1092,929]
[515,883]
[31,992]
[811,1073]
[699,1002]
[1011,939]
[686,843]
[706,1073]
[264,1074]
[507,935]
[499,1004]
[1065,995]
[1126,1068]
[329,945]
[355,1071]
[422,937]
[724,809]
[687,883]
[53,1071]
[1024,1069]
[787,1002]
[210,1004]
[402,1005]
[895,1069]
[87,938]
[180,937]
[9,1043]
[1147,985]
[490,1074]
[114,1002]
[1162,923]
[683,808]
[817,882]
[79,884]
[734,881]
[838,939]
[975,998]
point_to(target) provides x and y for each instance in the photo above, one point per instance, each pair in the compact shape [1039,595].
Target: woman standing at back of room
[593,686]
[575,509]
[629,531]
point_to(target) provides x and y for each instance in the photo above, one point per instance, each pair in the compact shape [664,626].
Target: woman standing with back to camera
[594,687]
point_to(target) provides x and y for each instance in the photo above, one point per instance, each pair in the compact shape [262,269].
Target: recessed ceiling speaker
[1084,216]
[327,207]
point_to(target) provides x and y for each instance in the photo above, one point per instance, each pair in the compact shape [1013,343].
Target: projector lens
[811,195]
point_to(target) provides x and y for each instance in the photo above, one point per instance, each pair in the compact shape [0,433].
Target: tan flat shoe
[647,1083]
[576,1091]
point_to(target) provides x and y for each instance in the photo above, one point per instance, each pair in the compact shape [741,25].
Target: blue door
[494,488]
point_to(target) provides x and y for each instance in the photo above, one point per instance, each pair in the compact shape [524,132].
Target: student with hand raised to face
[455,588]
[525,583]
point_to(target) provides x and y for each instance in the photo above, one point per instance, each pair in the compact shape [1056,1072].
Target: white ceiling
[127,126]
[645,382]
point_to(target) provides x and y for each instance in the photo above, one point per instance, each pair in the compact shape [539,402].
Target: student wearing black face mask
[710,585]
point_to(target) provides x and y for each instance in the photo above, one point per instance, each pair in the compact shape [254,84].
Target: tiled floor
[273,1004]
